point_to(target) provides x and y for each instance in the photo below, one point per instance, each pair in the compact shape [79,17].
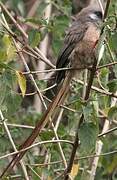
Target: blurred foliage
[16,109]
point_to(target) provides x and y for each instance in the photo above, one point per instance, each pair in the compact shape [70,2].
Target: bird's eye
[98,14]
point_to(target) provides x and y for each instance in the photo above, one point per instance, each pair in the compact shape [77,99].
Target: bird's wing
[75,34]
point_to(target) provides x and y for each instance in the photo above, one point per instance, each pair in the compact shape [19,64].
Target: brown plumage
[77,52]
[78,47]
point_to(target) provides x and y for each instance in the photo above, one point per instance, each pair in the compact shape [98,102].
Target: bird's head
[91,13]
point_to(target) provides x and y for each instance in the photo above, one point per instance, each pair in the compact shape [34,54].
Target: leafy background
[17,94]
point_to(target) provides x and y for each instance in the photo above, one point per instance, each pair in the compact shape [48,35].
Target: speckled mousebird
[78,51]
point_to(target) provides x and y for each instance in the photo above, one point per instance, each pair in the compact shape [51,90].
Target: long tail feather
[57,101]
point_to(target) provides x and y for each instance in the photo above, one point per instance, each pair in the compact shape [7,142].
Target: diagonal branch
[36,50]
[41,124]
[38,91]
[76,141]
[72,157]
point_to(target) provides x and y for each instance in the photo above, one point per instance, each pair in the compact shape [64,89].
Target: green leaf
[19,5]
[112,113]
[41,84]
[112,85]
[56,46]
[85,175]
[40,22]
[46,135]
[90,111]
[7,52]
[104,73]
[113,41]
[115,70]
[61,23]
[3,56]
[7,80]
[22,82]
[41,8]
[3,91]
[112,165]
[13,99]
[11,102]
[4,144]
[88,134]
[34,38]
[3,65]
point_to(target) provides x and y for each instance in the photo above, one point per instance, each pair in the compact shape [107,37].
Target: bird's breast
[83,54]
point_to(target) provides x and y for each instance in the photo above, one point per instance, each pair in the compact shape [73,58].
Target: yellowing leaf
[22,82]
[74,170]
[49,178]
[6,40]
[8,48]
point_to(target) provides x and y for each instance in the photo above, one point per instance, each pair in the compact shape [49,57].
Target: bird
[77,52]
[80,41]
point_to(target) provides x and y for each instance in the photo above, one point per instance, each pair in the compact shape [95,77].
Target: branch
[36,132]
[76,141]
[13,144]
[36,51]
[107,132]
[34,82]
[99,143]
[80,158]
[34,145]
[41,124]
[107,65]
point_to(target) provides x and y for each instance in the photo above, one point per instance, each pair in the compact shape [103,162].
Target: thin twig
[37,51]
[77,159]
[107,132]
[39,94]
[52,70]
[27,68]
[99,90]
[76,141]
[109,51]
[99,143]
[34,171]
[19,126]
[36,144]
[101,6]
[107,65]
[13,144]
[107,7]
